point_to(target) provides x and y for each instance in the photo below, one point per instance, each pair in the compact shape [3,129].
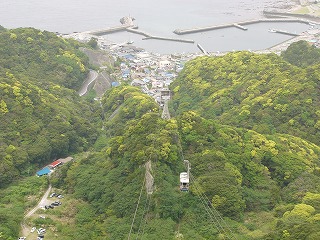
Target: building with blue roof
[44,171]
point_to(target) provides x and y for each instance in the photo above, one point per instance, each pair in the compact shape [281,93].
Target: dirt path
[25,230]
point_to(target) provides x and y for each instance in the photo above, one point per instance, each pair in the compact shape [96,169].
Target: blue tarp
[43,171]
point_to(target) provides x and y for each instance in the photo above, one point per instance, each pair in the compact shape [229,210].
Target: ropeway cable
[145,212]
[135,212]
[214,215]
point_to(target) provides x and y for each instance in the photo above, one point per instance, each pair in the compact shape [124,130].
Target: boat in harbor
[272,30]
[130,42]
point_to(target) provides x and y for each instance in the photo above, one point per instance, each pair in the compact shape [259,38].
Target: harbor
[240,25]
[197,35]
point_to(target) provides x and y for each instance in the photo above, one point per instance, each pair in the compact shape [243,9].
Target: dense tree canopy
[259,92]
[41,119]
[247,123]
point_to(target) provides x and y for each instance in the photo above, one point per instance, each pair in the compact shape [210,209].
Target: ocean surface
[157,18]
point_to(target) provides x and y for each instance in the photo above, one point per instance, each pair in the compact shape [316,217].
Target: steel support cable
[204,200]
[212,216]
[135,212]
[217,217]
[214,212]
[145,212]
[226,228]
[145,222]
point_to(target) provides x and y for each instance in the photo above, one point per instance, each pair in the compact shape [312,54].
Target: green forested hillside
[262,185]
[259,92]
[41,118]
[247,123]
[42,57]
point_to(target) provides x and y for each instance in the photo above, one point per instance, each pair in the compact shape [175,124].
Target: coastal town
[154,72]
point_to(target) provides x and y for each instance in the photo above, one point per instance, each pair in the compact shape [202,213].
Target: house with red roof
[54,164]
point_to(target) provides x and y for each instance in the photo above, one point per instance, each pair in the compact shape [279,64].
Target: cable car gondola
[184,182]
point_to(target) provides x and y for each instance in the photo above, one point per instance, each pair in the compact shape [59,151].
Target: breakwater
[101,32]
[129,26]
[273,14]
[126,22]
[239,25]
[285,32]
[202,49]
[148,36]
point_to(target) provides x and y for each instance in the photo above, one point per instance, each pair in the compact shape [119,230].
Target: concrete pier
[238,25]
[138,32]
[169,39]
[202,49]
[107,30]
[148,36]
[126,22]
[285,32]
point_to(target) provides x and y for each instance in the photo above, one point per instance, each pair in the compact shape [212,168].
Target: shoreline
[287,12]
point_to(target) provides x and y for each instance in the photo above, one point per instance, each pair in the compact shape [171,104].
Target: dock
[126,22]
[138,32]
[169,39]
[100,32]
[202,49]
[239,25]
[285,32]
[149,36]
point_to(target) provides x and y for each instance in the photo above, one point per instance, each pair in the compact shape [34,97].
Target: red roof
[55,163]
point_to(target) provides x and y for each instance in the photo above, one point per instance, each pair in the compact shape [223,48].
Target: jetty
[128,25]
[169,39]
[284,32]
[239,25]
[126,22]
[149,36]
[202,49]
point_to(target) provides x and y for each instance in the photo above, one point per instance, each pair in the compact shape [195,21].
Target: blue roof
[43,171]
[129,56]
[115,84]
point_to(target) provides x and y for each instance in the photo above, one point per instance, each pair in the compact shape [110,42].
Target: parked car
[52,195]
[33,229]
[41,231]
[56,203]
[21,238]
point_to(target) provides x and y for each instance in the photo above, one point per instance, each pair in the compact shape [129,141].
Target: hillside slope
[42,117]
[241,173]
[259,92]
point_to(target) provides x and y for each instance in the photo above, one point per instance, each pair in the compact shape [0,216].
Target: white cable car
[184,178]
[184,182]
